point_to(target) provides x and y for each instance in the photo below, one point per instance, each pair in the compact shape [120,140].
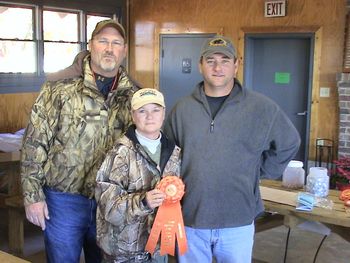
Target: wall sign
[275,8]
[282,77]
[186,65]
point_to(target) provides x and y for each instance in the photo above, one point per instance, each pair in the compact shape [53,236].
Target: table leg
[292,221]
[14,180]
[268,221]
[15,231]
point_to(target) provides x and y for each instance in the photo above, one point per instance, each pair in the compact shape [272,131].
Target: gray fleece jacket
[224,158]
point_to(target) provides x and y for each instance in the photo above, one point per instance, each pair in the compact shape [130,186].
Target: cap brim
[145,102]
[211,52]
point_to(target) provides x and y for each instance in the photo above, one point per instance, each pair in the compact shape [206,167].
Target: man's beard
[108,66]
[108,62]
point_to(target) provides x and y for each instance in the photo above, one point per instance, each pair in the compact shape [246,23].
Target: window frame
[31,82]
[80,25]
[34,37]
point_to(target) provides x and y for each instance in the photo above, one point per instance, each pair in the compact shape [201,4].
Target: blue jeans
[227,245]
[71,227]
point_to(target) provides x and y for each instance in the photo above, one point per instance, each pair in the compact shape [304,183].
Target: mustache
[109,54]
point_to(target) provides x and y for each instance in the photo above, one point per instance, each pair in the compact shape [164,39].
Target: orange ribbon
[345,195]
[169,222]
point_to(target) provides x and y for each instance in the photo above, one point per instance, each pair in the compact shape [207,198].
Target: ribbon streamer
[169,222]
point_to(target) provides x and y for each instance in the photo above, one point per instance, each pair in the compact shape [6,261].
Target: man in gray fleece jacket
[230,137]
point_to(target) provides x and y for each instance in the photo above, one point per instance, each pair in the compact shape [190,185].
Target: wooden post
[15,224]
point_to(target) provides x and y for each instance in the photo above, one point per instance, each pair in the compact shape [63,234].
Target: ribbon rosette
[345,195]
[169,222]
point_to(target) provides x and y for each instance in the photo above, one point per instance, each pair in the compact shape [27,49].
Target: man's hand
[154,198]
[37,213]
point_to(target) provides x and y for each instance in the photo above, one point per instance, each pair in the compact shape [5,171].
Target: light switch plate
[324,92]
[320,142]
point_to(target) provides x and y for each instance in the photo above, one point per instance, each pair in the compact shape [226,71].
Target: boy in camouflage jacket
[125,193]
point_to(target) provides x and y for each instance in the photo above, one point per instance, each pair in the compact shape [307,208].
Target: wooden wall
[149,18]
[14,110]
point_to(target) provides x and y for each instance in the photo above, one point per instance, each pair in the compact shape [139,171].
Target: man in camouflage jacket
[73,123]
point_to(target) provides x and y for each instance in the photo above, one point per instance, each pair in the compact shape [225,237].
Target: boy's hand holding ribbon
[169,222]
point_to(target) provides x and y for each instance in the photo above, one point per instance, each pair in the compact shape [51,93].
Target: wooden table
[337,216]
[9,157]
[337,219]
[4,257]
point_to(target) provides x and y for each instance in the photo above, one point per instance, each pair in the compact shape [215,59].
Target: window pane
[59,55]
[17,56]
[16,22]
[91,22]
[60,26]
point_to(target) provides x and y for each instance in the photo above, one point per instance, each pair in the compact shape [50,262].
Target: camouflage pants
[144,258]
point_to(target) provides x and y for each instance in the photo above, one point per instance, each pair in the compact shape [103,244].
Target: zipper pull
[212,126]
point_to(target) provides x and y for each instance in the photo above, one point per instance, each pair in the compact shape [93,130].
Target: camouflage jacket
[124,221]
[71,127]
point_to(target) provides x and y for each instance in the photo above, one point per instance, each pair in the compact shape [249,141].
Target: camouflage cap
[108,23]
[146,96]
[218,44]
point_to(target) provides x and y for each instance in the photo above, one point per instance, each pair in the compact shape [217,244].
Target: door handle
[301,113]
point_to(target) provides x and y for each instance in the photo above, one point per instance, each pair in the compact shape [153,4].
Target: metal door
[280,67]
[178,65]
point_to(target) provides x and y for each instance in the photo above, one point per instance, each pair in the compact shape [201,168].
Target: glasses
[105,43]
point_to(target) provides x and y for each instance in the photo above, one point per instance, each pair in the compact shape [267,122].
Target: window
[30,46]
[17,45]
[61,39]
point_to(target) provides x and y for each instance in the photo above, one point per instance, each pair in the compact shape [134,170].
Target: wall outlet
[324,92]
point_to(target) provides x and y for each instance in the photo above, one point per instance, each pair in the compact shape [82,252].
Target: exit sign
[275,8]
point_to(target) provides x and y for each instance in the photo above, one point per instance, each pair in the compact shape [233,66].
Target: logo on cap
[146,96]
[147,92]
[218,42]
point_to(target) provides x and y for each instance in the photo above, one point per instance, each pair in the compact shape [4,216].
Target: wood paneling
[14,110]
[148,18]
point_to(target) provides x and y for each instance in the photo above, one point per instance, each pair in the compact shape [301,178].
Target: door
[280,67]
[178,65]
